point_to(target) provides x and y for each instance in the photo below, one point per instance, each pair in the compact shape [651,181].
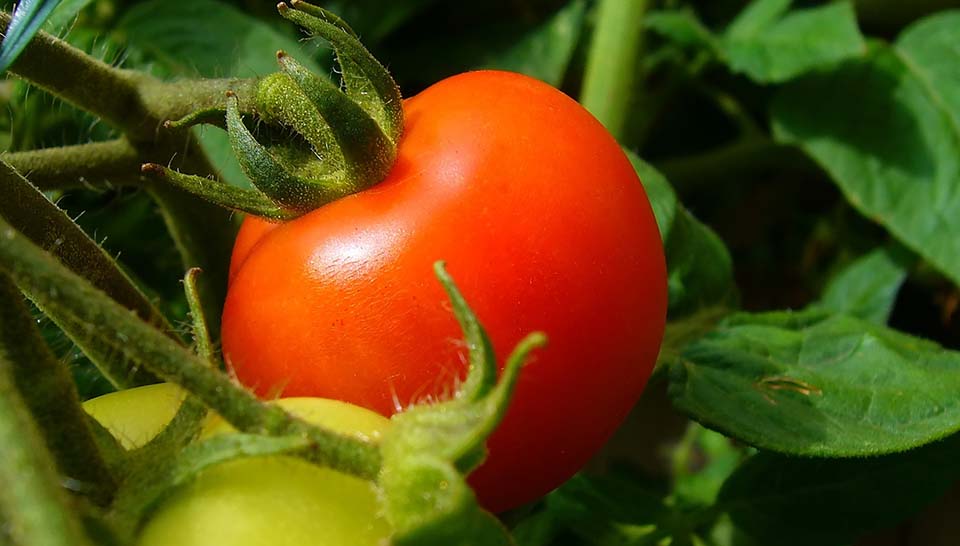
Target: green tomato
[259,500]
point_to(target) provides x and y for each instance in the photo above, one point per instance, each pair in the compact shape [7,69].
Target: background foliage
[803,159]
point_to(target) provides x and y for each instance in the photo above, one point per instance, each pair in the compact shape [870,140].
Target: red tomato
[544,226]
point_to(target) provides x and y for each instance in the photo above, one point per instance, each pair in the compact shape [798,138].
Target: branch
[49,393]
[133,102]
[100,164]
[612,62]
[33,508]
[59,291]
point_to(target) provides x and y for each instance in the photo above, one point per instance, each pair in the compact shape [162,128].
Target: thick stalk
[139,105]
[34,510]
[133,102]
[96,164]
[613,62]
[49,394]
[52,285]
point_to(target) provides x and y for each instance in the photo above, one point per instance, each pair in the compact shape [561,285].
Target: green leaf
[208,38]
[543,50]
[609,510]
[929,47]
[701,463]
[374,20]
[813,383]
[886,129]
[681,27]
[771,46]
[26,21]
[799,502]
[64,15]
[700,271]
[868,287]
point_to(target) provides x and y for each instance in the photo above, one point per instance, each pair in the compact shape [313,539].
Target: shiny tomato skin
[544,226]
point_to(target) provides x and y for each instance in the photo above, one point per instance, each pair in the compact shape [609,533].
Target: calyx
[316,141]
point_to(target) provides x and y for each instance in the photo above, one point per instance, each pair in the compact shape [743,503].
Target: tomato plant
[799,158]
[546,227]
[255,500]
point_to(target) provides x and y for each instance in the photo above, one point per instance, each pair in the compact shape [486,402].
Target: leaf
[702,462]
[772,46]
[542,51]
[545,51]
[699,268]
[798,502]
[64,15]
[608,510]
[929,47]
[373,20]
[681,27]
[886,129]
[25,22]
[209,38]
[813,383]
[868,287]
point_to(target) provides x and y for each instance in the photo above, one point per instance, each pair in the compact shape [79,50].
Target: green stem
[33,509]
[55,287]
[131,101]
[201,332]
[98,164]
[29,210]
[734,160]
[49,393]
[613,62]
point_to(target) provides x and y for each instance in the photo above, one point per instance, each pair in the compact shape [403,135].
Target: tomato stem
[56,289]
[33,508]
[40,377]
[613,62]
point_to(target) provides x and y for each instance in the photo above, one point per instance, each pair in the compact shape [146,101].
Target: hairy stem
[55,287]
[613,62]
[33,508]
[98,164]
[133,102]
[42,379]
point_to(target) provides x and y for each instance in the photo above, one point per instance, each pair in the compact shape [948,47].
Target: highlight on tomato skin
[544,225]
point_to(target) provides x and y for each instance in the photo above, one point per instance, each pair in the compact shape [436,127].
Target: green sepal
[365,80]
[316,142]
[430,448]
[345,149]
[219,193]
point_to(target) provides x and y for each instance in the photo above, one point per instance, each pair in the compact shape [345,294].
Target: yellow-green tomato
[275,501]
